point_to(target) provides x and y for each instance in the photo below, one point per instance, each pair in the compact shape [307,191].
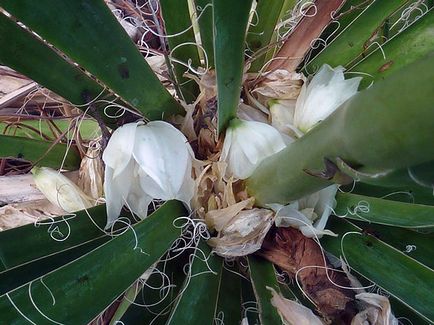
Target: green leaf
[260,33]
[155,300]
[177,22]
[198,301]
[357,37]
[89,34]
[415,243]
[344,16]
[413,43]
[285,14]
[399,309]
[387,267]
[250,305]
[47,67]
[43,152]
[126,302]
[22,274]
[381,133]
[230,24]
[386,212]
[204,12]
[88,128]
[61,295]
[229,301]
[414,176]
[263,275]
[50,236]
[408,194]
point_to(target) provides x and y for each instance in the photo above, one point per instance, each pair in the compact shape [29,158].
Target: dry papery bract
[226,209]
[291,312]
[91,172]
[279,84]
[19,214]
[377,310]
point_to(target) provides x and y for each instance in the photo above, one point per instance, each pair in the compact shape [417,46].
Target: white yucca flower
[146,162]
[309,214]
[247,144]
[60,190]
[318,98]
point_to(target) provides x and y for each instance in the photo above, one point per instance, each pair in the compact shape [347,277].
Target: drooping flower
[146,162]
[327,90]
[308,214]
[60,190]
[247,144]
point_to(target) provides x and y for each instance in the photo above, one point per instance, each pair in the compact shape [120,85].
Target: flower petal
[116,190]
[187,190]
[325,205]
[322,96]
[162,153]
[224,155]
[247,144]
[119,149]
[290,216]
[137,201]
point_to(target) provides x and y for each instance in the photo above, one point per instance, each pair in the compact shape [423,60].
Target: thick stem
[388,126]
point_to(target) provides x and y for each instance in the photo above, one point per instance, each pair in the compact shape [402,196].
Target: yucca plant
[257,117]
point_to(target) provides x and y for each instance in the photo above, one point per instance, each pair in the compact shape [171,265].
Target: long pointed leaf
[417,244]
[392,270]
[201,290]
[384,211]
[60,295]
[407,194]
[250,304]
[204,12]
[43,152]
[260,33]
[47,67]
[90,35]
[355,38]
[229,301]
[50,236]
[177,22]
[263,275]
[230,24]
[17,276]
[407,47]
[155,300]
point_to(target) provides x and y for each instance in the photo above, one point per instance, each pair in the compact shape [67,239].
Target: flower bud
[59,190]
[247,144]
